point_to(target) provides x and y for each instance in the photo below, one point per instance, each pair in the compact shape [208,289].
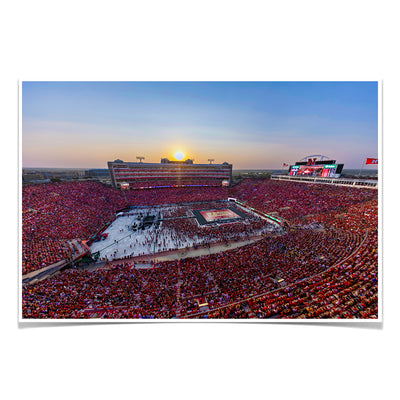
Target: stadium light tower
[211,160]
[140,158]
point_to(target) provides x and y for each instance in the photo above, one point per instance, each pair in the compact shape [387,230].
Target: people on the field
[324,267]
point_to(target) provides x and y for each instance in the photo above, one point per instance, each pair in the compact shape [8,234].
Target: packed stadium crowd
[348,290]
[176,228]
[296,201]
[326,272]
[146,183]
[54,213]
[184,229]
[262,267]
[150,197]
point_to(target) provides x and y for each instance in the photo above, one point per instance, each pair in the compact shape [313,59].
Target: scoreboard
[329,170]
[323,170]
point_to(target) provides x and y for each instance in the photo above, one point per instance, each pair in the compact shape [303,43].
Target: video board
[323,170]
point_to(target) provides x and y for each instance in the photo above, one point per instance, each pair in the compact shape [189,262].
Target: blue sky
[249,124]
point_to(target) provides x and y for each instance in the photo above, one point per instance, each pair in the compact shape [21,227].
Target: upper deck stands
[364,183]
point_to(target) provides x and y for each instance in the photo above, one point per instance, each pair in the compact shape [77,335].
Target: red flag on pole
[372,161]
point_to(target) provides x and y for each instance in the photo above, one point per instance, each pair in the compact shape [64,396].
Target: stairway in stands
[178,292]
[249,311]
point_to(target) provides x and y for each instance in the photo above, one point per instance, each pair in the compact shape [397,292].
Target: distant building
[32,177]
[168,173]
[43,175]
[98,173]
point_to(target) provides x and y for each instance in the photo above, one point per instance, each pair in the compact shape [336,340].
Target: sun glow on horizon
[179,155]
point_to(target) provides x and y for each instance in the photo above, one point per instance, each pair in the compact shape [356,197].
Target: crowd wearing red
[54,213]
[328,272]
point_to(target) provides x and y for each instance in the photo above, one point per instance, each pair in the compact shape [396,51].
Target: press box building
[140,175]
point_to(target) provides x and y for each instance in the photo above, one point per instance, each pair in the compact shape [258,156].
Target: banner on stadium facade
[372,161]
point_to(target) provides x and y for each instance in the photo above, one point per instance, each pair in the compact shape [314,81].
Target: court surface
[221,216]
[214,215]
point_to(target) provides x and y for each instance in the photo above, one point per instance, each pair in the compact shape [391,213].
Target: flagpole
[362,166]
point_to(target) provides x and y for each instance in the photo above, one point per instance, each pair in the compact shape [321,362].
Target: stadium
[171,241]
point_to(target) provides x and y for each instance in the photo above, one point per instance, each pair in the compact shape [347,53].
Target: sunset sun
[179,155]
